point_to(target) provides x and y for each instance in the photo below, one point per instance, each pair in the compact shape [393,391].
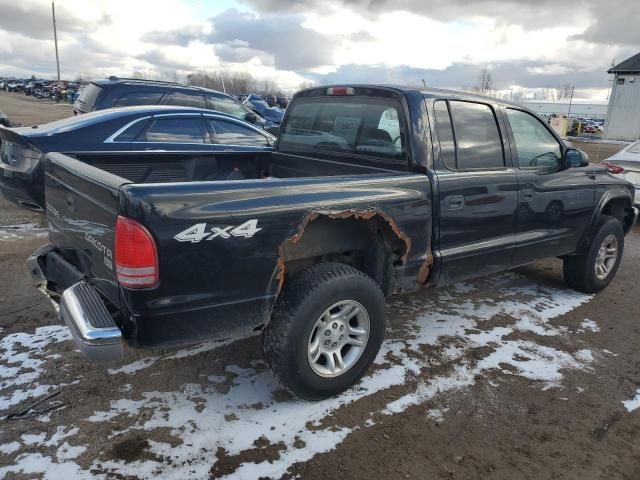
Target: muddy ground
[26,111]
[508,377]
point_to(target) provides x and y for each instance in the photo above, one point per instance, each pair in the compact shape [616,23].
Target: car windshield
[257,101]
[365,126]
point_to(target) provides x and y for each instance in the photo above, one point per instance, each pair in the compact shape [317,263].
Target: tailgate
[82,207]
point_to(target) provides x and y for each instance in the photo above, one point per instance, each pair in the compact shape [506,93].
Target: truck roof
[403,89]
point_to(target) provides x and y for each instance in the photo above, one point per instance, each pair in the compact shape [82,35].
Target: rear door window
[476,135]
[231,133]
[174,130]
[138,98]
[445,134]
[185,100]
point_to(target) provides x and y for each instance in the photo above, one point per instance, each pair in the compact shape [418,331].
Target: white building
[579,108]
[623,116]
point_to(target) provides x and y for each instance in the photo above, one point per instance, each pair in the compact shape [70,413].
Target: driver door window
[536,147]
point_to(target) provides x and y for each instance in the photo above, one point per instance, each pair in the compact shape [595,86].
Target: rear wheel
[326,330]
[593,270]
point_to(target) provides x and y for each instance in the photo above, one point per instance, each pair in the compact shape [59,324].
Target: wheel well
[369,243]
[620,209]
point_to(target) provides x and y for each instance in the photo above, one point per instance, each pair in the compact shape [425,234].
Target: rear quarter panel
[225,283]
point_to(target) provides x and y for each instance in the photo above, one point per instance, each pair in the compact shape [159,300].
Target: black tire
[580,270]
[304,299]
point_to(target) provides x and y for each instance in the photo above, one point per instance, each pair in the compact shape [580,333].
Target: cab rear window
[353,125]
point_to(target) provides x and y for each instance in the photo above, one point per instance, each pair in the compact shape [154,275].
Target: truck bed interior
[164,167]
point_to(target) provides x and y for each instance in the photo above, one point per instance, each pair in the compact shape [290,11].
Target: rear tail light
[615,169]
[136,255]
[340,91]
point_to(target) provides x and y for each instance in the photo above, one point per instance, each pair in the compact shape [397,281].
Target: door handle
[455,202]
[591,174]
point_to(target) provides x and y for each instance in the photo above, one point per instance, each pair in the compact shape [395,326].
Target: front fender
[617,193]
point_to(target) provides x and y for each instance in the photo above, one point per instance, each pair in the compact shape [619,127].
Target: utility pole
[55,37]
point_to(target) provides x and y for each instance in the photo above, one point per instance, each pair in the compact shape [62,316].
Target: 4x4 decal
[198,232]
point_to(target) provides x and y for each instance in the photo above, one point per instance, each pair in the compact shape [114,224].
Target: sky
[530,45]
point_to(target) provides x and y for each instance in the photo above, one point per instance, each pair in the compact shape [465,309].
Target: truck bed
[164,167]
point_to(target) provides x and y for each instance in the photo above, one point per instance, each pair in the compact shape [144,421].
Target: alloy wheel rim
[338,338]
[607,256]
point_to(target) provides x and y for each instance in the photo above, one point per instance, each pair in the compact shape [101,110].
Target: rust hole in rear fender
[365,214]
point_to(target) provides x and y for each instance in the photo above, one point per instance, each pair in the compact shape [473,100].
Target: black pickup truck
[371,191]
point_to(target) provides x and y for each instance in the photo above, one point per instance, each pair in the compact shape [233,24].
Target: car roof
[161,85]
[93,118]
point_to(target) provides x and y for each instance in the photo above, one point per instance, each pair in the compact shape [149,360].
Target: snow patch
[22,360]
[22,230]
[202,419]
[632,404]
[9,448]
[589,326]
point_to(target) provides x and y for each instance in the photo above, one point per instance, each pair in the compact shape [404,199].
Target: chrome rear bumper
[80,306]
[93,329]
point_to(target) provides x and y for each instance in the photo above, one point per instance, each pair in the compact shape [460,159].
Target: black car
[125,92]
[144,128]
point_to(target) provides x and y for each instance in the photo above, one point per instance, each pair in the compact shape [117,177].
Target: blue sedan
[143,128]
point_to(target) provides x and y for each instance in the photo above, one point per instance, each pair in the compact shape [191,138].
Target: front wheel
[593,270]
[326,330]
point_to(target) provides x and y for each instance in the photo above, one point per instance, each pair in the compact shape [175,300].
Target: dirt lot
[513,376]
[598,150]
[28,111]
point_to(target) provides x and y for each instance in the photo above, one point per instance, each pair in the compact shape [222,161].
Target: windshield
[258,102]
[229,105]
[365,126]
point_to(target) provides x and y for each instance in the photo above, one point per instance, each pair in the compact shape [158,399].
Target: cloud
[614,22]
[34,20]
[280,37]
[522,73]
[182,37]
[531,15]
[532,44]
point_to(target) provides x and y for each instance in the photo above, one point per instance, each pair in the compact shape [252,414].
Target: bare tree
[484,83]
[305,84]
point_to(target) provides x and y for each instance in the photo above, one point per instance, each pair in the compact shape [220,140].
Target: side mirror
[251,117]
[575,158]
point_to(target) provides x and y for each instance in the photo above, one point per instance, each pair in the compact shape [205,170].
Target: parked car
[626,165]
[260,106]
[369,193]
[144,128]
[124,92]
[271,100]
[283,102]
